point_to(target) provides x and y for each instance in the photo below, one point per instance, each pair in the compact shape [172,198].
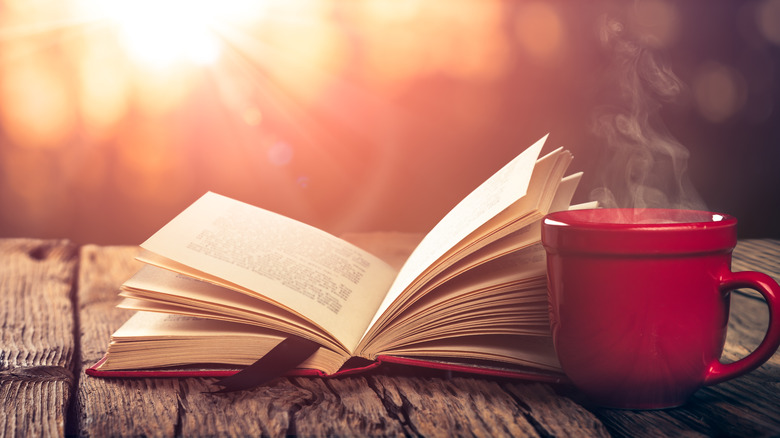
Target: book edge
[543,377]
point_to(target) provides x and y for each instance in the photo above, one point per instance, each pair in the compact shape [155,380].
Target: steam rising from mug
[645,167]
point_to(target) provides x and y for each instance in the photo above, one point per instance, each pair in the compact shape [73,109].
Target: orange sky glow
[375,114]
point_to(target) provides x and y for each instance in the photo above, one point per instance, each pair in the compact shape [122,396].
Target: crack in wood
[71,408]
[296,407]
[398,413]
[527,412]
[181,407]
[44,393]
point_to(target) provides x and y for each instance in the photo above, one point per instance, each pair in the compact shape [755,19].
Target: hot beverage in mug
[639,302]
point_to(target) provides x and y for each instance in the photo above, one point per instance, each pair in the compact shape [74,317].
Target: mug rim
[615,218]
[579,231]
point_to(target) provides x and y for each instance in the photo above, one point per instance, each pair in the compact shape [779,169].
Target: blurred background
[377,114]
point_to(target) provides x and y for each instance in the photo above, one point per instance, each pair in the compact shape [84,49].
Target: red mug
[639,303]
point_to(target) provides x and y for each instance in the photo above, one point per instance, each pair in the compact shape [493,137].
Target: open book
[225,282]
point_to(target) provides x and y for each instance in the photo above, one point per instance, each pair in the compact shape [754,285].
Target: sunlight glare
[160,33]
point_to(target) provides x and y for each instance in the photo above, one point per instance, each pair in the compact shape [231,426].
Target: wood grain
[441,407]
[552,413]
[34,401]
[37,346]
[37,278]
[125,407]
[269,410]
[381,405]
[345,406]
[39,351]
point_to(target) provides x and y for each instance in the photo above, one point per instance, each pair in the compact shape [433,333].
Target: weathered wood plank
[481,407]
[758,255]
[37,278]
[389,403]
[345,406]
[382,405]
[126,407]
[265,411]
[114,407]
[37,346]
[553,414]
[34,401]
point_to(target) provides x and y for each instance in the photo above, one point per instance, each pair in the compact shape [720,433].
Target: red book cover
[355,366]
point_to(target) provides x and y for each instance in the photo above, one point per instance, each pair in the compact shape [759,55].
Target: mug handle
[720,372]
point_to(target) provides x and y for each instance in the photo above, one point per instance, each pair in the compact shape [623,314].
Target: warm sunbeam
[373,114]
[160,33]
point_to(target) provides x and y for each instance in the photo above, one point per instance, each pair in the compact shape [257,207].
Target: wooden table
[58,312]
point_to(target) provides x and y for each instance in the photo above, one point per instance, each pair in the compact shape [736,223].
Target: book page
[585,205]
[517,276]
[516,240]
[151,340]
[532,351]
[519,240]
[306,270]
[492,197]
[176,293]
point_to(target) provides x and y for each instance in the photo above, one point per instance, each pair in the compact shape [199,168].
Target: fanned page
[520,248]
[326,280]
[161,290]
[493,196]
[495,209]
[154,340]
[476,302]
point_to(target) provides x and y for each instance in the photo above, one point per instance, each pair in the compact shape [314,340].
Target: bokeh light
[36,109]
[719,92]
[540,29]
[767,16]
[372,114]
